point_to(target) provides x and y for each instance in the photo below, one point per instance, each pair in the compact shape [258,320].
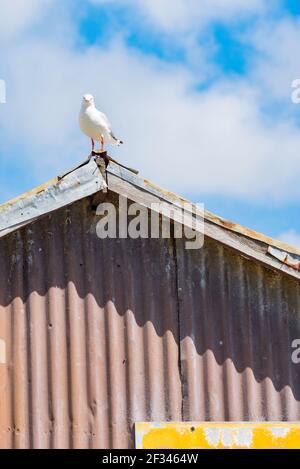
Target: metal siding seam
[6,423]
[57,334]
[20,354]
[78,359]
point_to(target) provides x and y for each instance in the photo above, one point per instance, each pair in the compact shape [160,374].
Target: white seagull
[95,124]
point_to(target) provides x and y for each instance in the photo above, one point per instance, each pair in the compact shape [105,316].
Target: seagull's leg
[93,146]
[102,142]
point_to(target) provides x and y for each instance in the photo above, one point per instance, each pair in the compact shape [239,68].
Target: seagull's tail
[115,140]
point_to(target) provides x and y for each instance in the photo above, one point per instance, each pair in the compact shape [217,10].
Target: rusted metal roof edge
[59,192]
[168,196]
[87,180]
[249,248]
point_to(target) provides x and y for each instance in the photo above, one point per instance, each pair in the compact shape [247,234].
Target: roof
[87,179]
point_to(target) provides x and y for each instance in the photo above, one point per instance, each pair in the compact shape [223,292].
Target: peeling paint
[212,435]
[280,432]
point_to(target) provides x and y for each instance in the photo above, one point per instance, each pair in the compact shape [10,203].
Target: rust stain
[294,265]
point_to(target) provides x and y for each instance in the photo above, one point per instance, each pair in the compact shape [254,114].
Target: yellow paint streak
[219,436]
[264,438]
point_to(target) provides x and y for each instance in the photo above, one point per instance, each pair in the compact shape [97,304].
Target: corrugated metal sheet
[91,330]
[101,334]
[237,323]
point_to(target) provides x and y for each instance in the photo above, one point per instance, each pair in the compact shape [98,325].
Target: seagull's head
[88,100]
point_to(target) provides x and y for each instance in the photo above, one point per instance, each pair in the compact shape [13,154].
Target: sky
[199,90]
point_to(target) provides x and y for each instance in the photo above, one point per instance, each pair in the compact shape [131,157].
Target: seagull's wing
[104,121]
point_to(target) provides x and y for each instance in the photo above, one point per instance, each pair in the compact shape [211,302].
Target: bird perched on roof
[95,124]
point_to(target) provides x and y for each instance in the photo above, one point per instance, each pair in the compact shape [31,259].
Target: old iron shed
[99,334]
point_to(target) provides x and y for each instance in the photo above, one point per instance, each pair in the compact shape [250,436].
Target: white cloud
[211,142]
[277,62]
[290,237]
[17,15]
[179,15]
[216,141]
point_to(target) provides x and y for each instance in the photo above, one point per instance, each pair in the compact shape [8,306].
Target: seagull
[95,124]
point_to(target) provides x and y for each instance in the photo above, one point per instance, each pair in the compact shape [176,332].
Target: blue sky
[204,85]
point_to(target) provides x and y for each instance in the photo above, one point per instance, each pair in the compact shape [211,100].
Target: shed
[98,334]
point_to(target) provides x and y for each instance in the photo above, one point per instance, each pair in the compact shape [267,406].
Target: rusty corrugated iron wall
[100,334]
[237,323]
